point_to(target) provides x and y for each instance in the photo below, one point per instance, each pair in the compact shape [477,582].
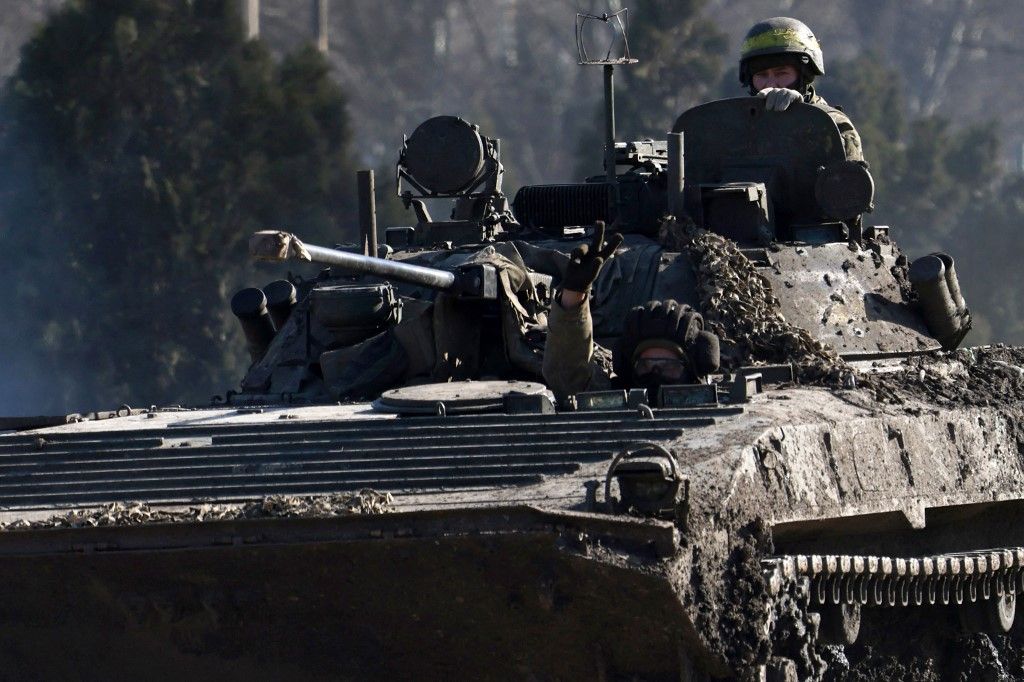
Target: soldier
[779,60]
[663,342]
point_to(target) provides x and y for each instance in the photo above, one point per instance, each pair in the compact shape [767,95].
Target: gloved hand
[669,320]
[779,99]
[668,325]
[586,260]
[705,354]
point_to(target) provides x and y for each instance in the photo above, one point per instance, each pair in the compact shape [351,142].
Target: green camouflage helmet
[777,36]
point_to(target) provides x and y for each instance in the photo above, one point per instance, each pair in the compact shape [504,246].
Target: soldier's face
[661,365]
[775,77]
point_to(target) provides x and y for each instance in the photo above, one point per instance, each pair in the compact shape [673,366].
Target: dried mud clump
[969,377]
[980,660]
[277,506]
[794,634]
[747,599]
[867,665]
[963,657]
[738,305]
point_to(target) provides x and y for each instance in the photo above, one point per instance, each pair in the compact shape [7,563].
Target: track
[890,581]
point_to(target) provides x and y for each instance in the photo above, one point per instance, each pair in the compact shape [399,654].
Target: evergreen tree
[941,189]
[925,171]
[985,240]
[679,53]
[144,141]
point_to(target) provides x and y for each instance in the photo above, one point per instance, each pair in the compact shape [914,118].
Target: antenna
[616,54]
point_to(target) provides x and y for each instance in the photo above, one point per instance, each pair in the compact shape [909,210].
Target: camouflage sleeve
[568,349]
[851,139]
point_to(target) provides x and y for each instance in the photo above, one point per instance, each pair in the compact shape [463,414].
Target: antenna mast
[616,54]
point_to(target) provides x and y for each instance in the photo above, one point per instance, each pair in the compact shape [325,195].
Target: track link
[953,578]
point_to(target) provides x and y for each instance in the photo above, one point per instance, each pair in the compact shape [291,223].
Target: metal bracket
[478,280]
[744,387]
[641,469]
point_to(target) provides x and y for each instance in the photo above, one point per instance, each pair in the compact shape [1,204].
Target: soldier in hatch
[779,60]
[662,342]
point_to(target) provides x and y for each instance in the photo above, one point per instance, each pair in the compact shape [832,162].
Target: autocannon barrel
[279,246]
[354,262]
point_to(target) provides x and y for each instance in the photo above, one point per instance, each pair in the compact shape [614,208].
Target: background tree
[680,61]
[144,141]
[986,232]
[680,52]
[939,187]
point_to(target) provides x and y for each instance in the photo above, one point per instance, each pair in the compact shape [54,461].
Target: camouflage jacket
[571,364]
[851,139]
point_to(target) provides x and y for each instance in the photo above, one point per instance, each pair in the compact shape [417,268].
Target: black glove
[676,322]
[705,355]
[586,260]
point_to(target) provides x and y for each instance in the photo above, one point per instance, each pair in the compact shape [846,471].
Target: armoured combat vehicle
[393,492]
